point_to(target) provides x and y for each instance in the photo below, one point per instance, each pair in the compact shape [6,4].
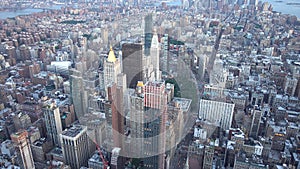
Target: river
[279,6]
[284,8]
[27,11]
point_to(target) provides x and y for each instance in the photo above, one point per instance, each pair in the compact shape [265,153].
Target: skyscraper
[83,79]
[219,74]
[116,121]
[76,91]
[256,119]
[154,52]
[53,122]
[132,60]
[136,122]
[165,53]
[155,99]
[148,110]
[112,68]
[148,33]
[24,154]
[104,36]
[75,146]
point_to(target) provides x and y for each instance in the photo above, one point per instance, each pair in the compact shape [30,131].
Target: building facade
[75,146]
[53,122]
[220,113]
[132,61]
[112,68]
[23,150]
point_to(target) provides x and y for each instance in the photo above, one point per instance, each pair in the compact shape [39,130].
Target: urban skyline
[131,84]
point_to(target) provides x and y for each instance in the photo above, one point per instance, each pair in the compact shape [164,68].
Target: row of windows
[74,143]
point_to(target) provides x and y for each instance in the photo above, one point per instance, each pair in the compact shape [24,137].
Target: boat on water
[293,3]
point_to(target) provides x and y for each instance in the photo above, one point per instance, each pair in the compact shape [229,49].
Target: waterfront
[27,11]
[278,6]
[281,6]
[11,14]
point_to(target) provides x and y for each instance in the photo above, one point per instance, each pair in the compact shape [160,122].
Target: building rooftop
[19,135]
[252,160]
[155,83]
[73,131]
[183,103]
[96,158]
[39,142]
[230,145]
[252,142]
[56,151]
[237,133]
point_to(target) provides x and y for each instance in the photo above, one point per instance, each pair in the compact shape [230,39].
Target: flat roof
[183,103]
[73,131]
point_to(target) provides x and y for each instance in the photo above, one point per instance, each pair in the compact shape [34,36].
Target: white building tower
[154,52]
[112,68]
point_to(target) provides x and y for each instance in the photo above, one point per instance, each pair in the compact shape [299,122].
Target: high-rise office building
[256,119]
[148,33]
[219,74]
[132,60]
[76,91]
[112,68]
[83,79]
[53,122]
[154,52]
[155,99]
[24,154]
[116,114]
[104,36]
[164,65]
[136,120]
[140,62]
[75,146]
[154,94]
[148,110]
[219,113]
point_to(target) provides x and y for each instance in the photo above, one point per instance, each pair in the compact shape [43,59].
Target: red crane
[105,163]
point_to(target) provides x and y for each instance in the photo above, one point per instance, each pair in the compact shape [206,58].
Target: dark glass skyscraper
[132,57]
[148,33]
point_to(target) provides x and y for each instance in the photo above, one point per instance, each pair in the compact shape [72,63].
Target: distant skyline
[277,6]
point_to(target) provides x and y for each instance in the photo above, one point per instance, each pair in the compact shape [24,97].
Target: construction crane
[105,163]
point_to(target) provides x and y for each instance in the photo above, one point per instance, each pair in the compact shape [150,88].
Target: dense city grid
[149,84]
